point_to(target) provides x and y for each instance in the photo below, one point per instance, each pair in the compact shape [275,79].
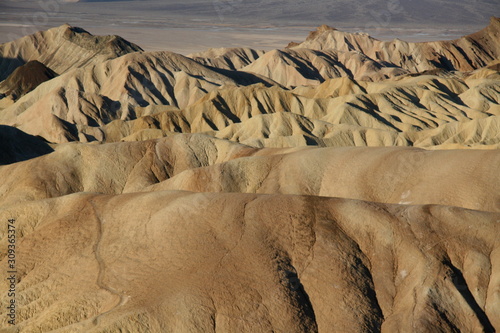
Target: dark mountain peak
[26,78]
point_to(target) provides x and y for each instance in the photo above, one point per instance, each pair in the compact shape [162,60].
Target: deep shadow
[310,141]
[443,62]
[17,146]
[149,85]
[9,65]
[462,52]
[450,95]
[463,289]
[244,78]
[373,110]
[223,108]
[293,283]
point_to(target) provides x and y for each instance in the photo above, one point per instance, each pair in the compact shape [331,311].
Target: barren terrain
[339,183]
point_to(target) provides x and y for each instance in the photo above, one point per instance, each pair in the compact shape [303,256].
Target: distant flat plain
[193,26]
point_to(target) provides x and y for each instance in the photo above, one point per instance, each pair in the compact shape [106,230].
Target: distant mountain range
[103,88]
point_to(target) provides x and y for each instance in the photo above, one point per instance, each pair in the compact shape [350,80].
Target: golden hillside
[343,184]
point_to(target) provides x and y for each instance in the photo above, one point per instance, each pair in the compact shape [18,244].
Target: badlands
[339,184]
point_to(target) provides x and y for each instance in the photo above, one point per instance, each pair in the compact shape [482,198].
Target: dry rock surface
[342,184]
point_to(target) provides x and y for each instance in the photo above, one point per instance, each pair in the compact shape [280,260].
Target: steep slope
[97,109]
[112,168]
[211,262]
[388,175]
[286,129]
[211,91]
[296,67]
[465,54]
[189,198]
[339,112]
[26,78]
[227,58]
[399,175]
[291,130]
[409,104]
[478,133]
[16,146]
[270,263]
[114,89]
[61,49]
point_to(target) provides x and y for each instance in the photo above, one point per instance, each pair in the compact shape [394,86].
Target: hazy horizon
[192,26]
